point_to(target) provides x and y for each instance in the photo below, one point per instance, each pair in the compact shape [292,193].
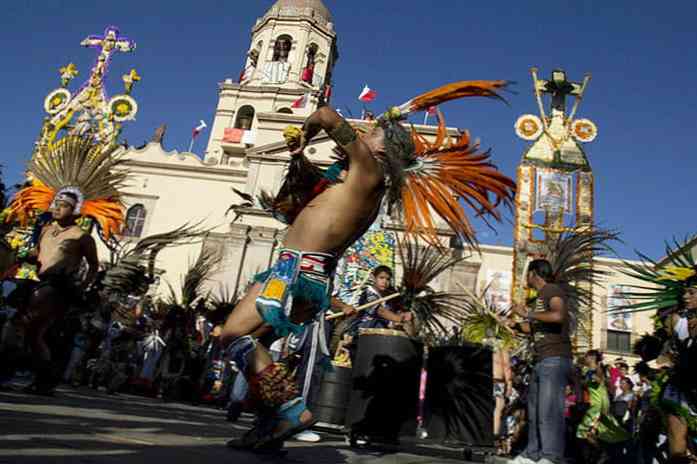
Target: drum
[330,405]
[385,385]
[8,257]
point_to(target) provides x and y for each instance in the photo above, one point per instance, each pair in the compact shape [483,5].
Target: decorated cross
[558,87]
[107,44]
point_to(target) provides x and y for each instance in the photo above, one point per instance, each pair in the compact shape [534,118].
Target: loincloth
[295,277]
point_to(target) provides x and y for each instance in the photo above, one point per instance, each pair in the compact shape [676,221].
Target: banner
[553,191]
[376,247]
[615,299]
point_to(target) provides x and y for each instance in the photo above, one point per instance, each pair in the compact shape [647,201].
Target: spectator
[624,405]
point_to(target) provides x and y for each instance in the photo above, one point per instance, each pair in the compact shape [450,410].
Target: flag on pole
[301,102]
[367,94]
[198,129]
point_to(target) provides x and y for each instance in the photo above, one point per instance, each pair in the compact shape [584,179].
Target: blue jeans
[239,389]
[546,409]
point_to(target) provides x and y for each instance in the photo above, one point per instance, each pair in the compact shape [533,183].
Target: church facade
[288,71]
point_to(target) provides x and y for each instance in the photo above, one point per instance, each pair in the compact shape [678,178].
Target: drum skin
[385,385]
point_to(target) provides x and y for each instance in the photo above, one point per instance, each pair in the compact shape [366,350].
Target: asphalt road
[84,426]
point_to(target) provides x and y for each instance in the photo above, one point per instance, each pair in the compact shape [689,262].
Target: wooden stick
[365,306]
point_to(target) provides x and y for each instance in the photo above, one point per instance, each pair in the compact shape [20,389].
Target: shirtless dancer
[62,247]
[296,288]
[319,235]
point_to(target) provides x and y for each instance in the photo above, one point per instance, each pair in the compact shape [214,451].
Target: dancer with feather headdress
[670,289]
[76,178]
[326,214]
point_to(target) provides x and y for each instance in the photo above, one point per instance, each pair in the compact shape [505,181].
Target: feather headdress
[573,268]
[485,323]
[79,166]
[664,283]
[445,174]
[133,268]
[194,282]
[434,310]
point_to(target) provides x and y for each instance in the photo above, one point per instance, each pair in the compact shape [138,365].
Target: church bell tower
[288,70]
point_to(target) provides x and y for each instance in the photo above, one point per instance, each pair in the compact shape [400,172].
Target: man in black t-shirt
[549,328]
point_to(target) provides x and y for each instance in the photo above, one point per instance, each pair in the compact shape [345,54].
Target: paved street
[83,426]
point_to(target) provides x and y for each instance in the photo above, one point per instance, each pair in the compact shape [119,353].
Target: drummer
[385,315]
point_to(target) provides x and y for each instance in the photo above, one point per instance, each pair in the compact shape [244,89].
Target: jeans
[546,409]
[238,392]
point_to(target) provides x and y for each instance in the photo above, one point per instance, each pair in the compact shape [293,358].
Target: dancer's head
[64,206]
[539,273]
[382,275]
[593,358]
[690,297]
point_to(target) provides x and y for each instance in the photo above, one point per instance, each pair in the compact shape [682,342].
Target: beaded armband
[343,134]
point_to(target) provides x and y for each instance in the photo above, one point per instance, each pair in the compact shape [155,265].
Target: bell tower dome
[292,55]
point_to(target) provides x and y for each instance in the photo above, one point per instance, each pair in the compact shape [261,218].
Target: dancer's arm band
[343,134]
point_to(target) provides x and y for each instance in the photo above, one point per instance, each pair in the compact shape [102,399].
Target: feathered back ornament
[450,92]
[133,267]
[79,166]
[440,176]
[573,268]
[485,323]
[434,310]
[664,283]
[445,175]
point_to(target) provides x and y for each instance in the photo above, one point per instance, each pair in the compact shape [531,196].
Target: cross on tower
[558,87]
[107,44]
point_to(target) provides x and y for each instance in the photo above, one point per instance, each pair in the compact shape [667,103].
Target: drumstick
[365,306]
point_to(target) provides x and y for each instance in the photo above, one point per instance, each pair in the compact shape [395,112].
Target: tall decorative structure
[90,108]
[555,180]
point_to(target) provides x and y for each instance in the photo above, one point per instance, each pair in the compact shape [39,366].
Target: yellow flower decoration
[393,113]
[293,136]
[123,108]
[68,73]
[676,273]
[130,79]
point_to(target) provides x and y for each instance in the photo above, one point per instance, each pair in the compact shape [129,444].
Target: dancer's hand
[348,310]
[299,148]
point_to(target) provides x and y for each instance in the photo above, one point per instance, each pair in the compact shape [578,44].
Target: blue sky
[641,54]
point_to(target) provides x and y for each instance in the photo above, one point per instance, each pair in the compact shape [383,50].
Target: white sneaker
[520,459]
[307,436]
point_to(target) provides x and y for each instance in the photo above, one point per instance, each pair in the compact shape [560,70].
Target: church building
[288,72]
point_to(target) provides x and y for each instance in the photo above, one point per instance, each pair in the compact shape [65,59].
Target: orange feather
[457,90]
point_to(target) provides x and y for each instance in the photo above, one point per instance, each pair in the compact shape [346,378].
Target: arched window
[285,111]
[135,220]
[281,48]
[245,117]
[309,69]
